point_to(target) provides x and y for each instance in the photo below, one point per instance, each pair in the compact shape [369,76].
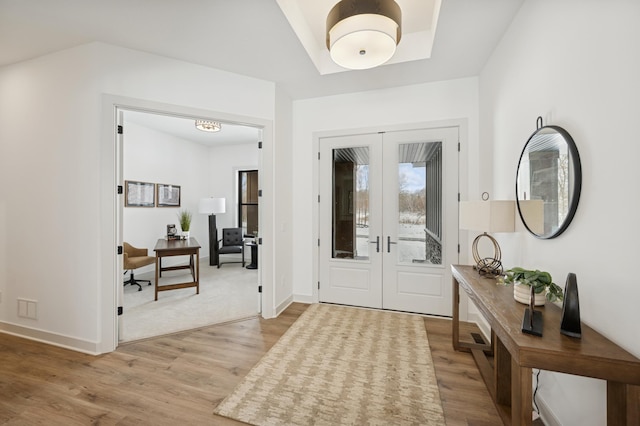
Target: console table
[165,248]
[505,363]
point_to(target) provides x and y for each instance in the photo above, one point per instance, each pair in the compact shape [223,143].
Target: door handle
[389,242]
[377,243]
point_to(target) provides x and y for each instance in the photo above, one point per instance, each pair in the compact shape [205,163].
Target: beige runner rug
[342,365]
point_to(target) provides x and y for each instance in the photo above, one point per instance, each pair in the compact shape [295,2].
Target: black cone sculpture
[570,325]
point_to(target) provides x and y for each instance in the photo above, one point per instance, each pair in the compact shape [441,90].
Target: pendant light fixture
[208,126]
[363,34]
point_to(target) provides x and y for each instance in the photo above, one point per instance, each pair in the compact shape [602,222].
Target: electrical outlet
[27,308]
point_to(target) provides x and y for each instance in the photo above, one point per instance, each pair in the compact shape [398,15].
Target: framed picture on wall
[139,194]
[167,195]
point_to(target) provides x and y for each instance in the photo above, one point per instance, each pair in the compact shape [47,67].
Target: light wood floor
[179,379]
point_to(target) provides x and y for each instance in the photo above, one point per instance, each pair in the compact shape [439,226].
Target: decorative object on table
[362,34]
[532,322]
[212,206]
[184,216]
[488,216]
[139,194]
[525,280]
[167,195]
[548,181]
[172,232]
[570,325]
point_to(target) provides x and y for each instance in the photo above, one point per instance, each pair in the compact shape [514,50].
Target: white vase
[522,294]
[185,235]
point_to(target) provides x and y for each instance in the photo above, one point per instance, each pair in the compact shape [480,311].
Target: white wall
[57,213]
[379,109]
[200,171]
[283,229]
[576,64]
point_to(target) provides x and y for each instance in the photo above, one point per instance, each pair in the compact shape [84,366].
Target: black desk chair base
[133,281]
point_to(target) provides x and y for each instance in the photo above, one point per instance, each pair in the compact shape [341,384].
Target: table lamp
[488,216]
[211,206]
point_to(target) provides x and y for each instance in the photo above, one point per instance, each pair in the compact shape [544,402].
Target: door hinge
[458,146]
[119,249]
[318,155]
[458,197]
[120,130]
[260,240]
[318,197]
[458,248]
[259,144]
[318,285]
[318,242]
[120,189]
[120,310]
[259,192]
[259,289]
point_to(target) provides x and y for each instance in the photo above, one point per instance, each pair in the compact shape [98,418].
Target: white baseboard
[483,325]
[284,305]
[302,298]
[547,416]
[67,342]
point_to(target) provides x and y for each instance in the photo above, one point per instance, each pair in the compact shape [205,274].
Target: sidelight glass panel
[420,203]
[350,203]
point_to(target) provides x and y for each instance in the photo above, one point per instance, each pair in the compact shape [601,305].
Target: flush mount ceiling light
[208,126]
[363,34]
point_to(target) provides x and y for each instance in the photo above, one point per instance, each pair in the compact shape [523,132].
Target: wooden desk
[166,248]
[508,376]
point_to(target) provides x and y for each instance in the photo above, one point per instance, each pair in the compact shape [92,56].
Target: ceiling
[252,37]
[185,129]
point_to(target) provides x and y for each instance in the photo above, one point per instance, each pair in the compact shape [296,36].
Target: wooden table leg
[521,395]
[198,272]
[157,274]
[455,329]
[502,373]
[622,404]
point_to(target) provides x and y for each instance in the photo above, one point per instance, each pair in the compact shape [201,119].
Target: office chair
[135,258]
[231,243]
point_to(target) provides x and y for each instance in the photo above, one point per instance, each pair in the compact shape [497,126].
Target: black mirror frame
[577,187]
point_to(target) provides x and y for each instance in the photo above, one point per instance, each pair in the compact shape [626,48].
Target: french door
[389,219]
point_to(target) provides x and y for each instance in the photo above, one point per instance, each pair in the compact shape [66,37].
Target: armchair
[231,243]
[134,258]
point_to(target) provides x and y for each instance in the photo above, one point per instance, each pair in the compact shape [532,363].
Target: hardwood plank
[180,378]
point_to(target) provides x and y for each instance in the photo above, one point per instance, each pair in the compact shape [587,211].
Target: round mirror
[548,181]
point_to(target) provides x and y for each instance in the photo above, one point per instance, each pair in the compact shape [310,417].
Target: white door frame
[111,235]
[462,125]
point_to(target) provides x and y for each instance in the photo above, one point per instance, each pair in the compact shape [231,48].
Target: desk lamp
[211,206]
[487,216]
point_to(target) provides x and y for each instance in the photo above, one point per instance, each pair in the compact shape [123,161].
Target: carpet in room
[342,365]
[226,294]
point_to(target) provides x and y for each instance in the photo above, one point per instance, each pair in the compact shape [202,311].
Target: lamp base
[491,266]
[213,240]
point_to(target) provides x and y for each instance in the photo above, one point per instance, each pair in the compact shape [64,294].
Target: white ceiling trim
[308,21]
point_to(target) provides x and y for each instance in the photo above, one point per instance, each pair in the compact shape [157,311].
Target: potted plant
[184,217]
[543,285]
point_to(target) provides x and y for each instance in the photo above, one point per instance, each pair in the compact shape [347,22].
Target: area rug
[339,365]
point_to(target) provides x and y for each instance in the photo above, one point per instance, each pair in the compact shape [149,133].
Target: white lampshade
[532,211]
[363,34]
[211,205]
[488,216]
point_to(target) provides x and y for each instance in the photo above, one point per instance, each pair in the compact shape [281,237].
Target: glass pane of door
[350,203]
[420,203]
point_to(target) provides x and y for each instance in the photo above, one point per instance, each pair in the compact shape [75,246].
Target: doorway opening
[167,151]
